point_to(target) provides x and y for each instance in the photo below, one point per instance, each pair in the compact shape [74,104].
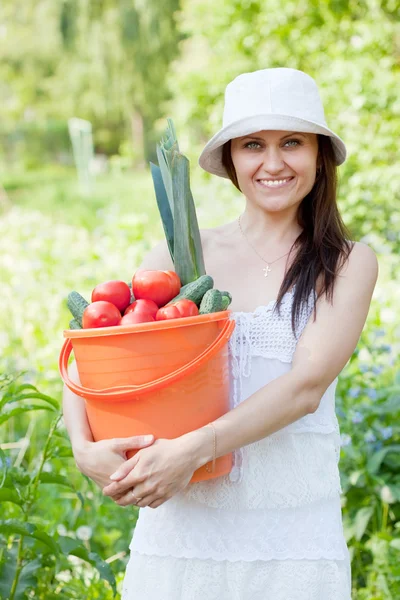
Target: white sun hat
[279,99]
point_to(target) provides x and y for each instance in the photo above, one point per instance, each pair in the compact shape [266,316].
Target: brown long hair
[324,245]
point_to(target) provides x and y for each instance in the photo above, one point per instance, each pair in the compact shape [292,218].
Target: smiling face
[275,169]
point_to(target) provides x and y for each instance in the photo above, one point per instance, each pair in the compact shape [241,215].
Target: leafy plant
[30,545]
[370,473]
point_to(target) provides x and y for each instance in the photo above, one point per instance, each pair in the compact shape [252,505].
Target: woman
[272,528]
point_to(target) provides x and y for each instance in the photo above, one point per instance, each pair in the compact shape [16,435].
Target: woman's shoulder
[362,257]
[219,233]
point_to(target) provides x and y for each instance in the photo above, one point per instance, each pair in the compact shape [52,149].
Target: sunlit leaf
[36,395]
[7,495]
[375,461]
[22,409]
[361,521]
[15,527]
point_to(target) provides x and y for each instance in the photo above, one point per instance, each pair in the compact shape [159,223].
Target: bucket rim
[143,327]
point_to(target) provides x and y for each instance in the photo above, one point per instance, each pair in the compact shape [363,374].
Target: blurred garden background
[125,66]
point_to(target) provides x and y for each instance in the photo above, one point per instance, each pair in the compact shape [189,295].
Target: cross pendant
[266,270]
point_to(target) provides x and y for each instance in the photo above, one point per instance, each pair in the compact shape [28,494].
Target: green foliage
[32,552]
[106,62]
[368,406]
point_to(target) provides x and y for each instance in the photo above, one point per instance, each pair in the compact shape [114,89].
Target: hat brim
[211,157]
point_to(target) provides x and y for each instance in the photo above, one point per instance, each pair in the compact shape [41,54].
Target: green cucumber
[77,304]
[195,290]
[211,302]
[74,324]
[225,302]
[228,294]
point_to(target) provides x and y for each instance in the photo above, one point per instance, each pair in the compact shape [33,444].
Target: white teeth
[274,183]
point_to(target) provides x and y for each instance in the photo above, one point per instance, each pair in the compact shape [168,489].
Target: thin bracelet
[215,450]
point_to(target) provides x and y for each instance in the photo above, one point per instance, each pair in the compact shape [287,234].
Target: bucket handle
[125,391]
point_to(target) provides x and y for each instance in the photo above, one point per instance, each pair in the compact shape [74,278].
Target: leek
[177,209]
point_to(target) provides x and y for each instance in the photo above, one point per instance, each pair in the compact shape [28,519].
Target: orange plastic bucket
[165,377]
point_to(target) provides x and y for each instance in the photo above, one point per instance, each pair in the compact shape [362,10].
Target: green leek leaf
[177,208]
[188,255]
[163,206]
[163,161]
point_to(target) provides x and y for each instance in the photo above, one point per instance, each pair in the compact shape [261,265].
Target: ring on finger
[133,494]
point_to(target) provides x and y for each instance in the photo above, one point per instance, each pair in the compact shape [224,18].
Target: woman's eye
[249,143]
[296,142]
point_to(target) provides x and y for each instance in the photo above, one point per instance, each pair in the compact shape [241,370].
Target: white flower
[84,533]
[386,495]
[61,529]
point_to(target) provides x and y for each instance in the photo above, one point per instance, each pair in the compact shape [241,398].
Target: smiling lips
[274,183]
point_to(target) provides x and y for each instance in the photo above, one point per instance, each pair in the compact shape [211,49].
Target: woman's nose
[272,160]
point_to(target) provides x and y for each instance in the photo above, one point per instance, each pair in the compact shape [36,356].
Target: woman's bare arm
[323,350]
[75,417]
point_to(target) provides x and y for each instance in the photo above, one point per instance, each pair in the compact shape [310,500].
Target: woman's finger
[130,498]
[125,468]
[119,487]
[157,503]
[122,445]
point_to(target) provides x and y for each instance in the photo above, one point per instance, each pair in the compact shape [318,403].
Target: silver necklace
[266,269]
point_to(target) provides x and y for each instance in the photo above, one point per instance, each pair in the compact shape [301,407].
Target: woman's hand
[156,473]
[98,460]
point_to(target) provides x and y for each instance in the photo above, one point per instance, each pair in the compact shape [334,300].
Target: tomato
[177,282]
[136,317]
[142,307]
[168,312]
[116,292]
[187,308]
[159,286]
[100,314]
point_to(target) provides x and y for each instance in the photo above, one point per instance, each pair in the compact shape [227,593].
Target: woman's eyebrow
[255,137]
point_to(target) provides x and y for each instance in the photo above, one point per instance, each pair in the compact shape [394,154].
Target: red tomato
[159,286]
[177,282]
[116,292]
[168,312]
[142,307]
[100,314]
[136,317]
[187,308]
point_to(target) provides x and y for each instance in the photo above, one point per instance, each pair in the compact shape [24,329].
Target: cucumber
[228,294]
[74,324]
[77,304]
[225,302]
[211,302]
[195,290]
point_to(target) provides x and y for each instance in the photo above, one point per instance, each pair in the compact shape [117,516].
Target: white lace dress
[272,528]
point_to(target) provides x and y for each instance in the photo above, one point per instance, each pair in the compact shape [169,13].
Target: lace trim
[169,578]
[262,333]
[185,529]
